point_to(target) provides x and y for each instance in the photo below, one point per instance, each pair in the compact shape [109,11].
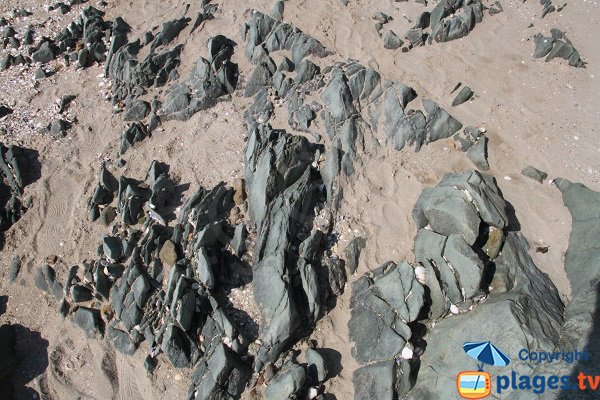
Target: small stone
[108,215]
[168,254]
[88,320]
[15,267]
[137,111]
[52,259]
[391,41]
[478,154]
[464,95]
[81,294]
[534,173]
[59,128]
[44,54]
[239,196]
[113,248]
[4,111]
[316,370]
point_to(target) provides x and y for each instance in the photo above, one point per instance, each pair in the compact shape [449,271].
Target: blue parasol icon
[486,353]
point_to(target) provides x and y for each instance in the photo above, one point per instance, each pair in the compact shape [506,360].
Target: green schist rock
[464,95]
[317,370]
[391,41]
[289,381]
[381,309]
[478,153]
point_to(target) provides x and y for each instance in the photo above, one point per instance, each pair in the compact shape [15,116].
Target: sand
[535,113]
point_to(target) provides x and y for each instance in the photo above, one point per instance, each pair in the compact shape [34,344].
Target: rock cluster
[557,45]
[209,80]
[81,42]
[283,189]
[358,101]
[13,169]
[467,260]
[161,285]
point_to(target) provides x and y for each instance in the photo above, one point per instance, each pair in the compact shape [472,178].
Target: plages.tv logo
[478,384]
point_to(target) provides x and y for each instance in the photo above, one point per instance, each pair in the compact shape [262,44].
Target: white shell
[421,274]
[407,353]
[454,309]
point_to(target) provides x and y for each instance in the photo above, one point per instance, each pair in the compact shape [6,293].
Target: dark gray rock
[39,74]
[261,77]
[221,374]
[523,298]
[15,268]
[464,95]
[415,37]
[59,128]
[391,41]
[170,30]
[113,247]
[566,51]
[121,341]
[88,319]
[45,279]
[6,62]
[382,17]
[467,138]
[543,45]
[306,71]
[478,153]
[377,381]
[137,111]
[287,383]
[238,242]
[44,54]
[135,133]
[337,276]
[177,347]
[204,268]
[277,10]
[440,124]
[81,294]
[64,102]
[535,174]
[381,309]
[4,111]
[316,368]
[84,58]
[352,253]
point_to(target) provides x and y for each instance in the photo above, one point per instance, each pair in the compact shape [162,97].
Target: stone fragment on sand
[478,153]
[88,320]
[352,253]
[534,173]
[391,41]
[463,96]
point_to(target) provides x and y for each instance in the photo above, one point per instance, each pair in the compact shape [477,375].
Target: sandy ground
[535,113]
